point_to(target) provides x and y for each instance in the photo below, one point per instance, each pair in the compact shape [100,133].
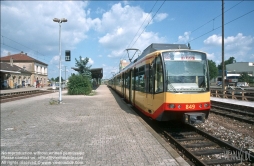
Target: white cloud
[108,71]
[210,56]
[235,46]
[33,23]
[121,24]
[184,38]
[161,16]
[239,42]
[214,40]
[123,16]
[55,60]
[90,61]
[4,52]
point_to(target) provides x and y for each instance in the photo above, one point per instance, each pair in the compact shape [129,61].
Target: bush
[79,85]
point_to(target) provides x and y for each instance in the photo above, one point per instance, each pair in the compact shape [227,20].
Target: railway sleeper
[181,134]
[190,139]
[235,116]
[221,161]
[234,111]
[198,145]
[208,152]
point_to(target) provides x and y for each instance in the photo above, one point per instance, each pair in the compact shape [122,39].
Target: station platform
[232,101]
[17,90]
[83,130]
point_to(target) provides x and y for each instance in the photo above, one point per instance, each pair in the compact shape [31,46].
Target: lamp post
[60,77]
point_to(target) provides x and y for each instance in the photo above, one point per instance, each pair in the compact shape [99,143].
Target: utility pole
[222,54]
[65,73]
[59,21]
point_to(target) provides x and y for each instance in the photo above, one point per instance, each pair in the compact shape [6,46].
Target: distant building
[234,71]
[241,67]
[97,74]
[123,64]
[38,69]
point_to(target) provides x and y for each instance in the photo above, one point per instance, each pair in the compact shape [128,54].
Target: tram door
[149,87]
[154,83]
[122,83]
[132,82]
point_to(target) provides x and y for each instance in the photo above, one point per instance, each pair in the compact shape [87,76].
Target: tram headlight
[179,106]
[206,105]
[200,105]
[171,105]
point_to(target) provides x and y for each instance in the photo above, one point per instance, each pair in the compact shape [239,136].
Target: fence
[247,95]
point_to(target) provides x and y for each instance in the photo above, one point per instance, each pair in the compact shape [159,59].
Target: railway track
[202,148]
[17,96]
[244,114]
[198,146]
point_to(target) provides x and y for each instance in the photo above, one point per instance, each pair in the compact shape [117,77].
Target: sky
[103,30]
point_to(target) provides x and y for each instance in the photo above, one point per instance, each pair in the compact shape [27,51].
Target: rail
[247,95]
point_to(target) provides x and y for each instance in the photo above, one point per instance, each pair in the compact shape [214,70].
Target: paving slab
[82,130]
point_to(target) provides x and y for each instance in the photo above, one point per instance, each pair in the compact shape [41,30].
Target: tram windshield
[186,71]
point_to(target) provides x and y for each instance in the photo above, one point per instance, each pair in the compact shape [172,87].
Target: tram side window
[158,76]
[118,80]
[127,80]
[136,82]
[147,78]
[133,80]
[151,80]
[115,81]
[141,75]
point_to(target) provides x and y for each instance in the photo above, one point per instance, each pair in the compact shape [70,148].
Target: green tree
[81,64]
[79,85]
[57,79]
[213,71]
[229,61]
[52,79]
[244,77]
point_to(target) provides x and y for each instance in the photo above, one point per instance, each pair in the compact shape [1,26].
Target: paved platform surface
[83,130]
[232,101]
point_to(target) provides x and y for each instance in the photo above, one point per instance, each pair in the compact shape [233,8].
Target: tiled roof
[21,57]
[14,68]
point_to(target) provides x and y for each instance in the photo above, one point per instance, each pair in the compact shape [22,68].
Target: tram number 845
[190,106]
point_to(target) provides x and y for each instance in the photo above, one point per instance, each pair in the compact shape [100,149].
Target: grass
[53,101]
[93,92]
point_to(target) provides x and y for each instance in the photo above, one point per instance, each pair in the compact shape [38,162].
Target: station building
[22,69]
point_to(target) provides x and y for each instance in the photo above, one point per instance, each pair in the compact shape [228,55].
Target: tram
[167,82]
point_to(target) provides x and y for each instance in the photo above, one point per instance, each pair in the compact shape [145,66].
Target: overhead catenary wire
[147,24]
[4,43]
[221,25]
[22,50]
[142,23]
[212,20]
[215,17]
[22,45]
[139,29]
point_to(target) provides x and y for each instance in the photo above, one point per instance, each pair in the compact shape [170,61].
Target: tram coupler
[194,118]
